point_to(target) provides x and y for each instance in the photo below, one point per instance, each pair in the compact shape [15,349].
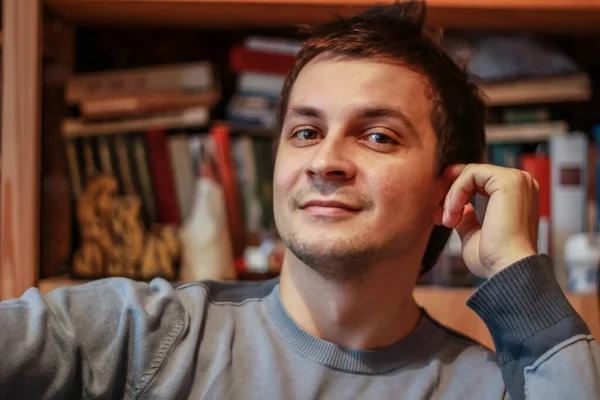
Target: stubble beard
[340,260]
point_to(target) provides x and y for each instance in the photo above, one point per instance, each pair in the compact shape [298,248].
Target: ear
[441,188]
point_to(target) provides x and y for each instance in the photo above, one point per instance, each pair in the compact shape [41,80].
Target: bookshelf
[24,35]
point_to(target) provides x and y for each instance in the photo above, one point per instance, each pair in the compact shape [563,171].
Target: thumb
[469,222]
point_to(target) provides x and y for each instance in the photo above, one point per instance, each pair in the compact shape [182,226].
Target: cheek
[285,174]
[402,191]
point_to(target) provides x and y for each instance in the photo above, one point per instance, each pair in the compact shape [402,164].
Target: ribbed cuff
[520,301]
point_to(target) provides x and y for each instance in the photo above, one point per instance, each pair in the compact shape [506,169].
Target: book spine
[226,174]
[73,166]
[260,85]
[506,155]
[183,174]
[538,166]
[245,167]
[162,176]
[144,104]
[126,180]
[273,45]
[568,174]
[186,77]
[192,117]
[245,60]
[144,181]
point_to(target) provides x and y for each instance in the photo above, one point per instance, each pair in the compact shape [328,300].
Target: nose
[332,159]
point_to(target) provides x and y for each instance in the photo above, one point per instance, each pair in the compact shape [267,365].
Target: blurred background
[137,136]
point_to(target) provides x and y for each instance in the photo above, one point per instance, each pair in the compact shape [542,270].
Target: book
[524,132]
[246,174]
[568,174]
[191,117]
[226,177]
[167,206]
[137,105]
[531,91]
[183,171]
[242,59]
[273,45]
[142,177]
[538,165]
[188,77]
[260,85]
[505,155]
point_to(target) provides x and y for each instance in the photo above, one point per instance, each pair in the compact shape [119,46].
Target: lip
[328,208]
[329,204]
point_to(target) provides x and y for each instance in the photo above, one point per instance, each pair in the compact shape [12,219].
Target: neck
[367,315]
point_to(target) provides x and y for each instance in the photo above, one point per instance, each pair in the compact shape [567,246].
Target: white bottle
[582,256]
[206,251]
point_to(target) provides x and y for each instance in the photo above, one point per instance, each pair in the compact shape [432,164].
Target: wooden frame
[19,215]
[539,15]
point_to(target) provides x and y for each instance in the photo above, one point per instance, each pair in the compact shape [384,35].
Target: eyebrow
[365,113]
[369,113]
[304,111]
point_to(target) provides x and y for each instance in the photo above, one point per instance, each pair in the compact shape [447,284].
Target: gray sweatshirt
[116,338]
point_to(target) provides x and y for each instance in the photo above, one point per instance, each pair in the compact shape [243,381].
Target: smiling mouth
[328,208]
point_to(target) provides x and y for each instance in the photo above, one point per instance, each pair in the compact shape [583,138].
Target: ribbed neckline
[424,339]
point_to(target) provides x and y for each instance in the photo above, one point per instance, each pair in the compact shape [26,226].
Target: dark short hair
[397,32]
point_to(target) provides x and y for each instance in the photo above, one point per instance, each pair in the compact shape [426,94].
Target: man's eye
[380,138]
[306,134]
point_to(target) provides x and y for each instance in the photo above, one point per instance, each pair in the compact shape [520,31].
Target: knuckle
[521,177]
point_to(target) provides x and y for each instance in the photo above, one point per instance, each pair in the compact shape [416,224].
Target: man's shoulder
[109,294]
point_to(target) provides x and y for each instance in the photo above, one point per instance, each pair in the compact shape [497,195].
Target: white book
[568,192]
[185,179]
[273,45]
[524,133]
[257,84]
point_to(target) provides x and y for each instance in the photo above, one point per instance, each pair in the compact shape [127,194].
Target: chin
[340,259]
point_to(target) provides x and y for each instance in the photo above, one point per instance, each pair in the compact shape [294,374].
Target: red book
[539,167]
[226,176]
[167,207]
[245,60]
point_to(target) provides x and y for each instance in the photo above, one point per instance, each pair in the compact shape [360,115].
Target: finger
[453,171]
[469,222]
[474,178]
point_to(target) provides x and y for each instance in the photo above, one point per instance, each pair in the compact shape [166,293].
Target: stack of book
[262,64]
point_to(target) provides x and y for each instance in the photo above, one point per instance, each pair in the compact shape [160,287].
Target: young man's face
[355,179]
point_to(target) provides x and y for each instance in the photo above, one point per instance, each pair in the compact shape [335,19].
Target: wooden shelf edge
[539,15]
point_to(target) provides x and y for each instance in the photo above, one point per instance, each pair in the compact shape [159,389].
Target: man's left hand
[510,227]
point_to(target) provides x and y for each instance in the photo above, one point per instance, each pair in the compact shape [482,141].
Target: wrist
[509,258]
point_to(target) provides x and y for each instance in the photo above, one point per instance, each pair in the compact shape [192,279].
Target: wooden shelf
[537,15]
[447,305]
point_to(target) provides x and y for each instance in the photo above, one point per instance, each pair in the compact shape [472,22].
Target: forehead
[333,84]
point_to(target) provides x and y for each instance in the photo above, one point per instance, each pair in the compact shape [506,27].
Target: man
[380,135]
